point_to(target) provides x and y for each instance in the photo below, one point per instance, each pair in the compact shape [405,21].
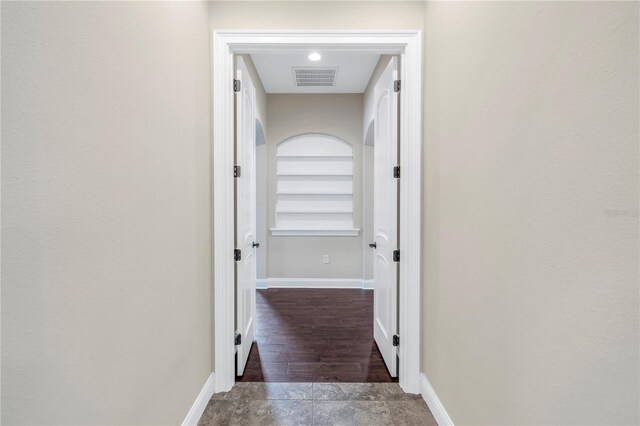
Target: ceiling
[353,72]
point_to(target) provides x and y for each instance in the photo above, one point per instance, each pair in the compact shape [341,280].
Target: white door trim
[407,44]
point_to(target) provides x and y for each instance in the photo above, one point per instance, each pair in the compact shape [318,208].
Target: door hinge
[237,255]
[237,339]
[396,255]
[396,340]
[236,85]
[237,171]
[396,86]
[396,172]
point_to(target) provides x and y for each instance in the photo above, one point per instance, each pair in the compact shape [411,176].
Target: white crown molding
[378,41]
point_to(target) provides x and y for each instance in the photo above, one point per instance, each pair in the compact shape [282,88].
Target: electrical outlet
[325,258]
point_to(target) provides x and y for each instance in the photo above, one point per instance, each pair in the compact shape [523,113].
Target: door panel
[245,214]
[385,215]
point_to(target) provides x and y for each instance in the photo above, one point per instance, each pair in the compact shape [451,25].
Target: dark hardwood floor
[315,335]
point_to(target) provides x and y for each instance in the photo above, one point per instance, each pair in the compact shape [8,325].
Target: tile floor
[316,404]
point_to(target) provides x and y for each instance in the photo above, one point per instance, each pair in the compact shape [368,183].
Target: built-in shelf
[320,175]
[343,211]
[314,191]
[314,157]
[302,192]
[353,232]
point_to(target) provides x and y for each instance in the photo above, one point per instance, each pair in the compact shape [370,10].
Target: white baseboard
[367,284]
[312,283]
[433,402]
[194,414]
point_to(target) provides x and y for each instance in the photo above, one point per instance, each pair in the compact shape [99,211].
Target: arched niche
[314,144]
[314,189]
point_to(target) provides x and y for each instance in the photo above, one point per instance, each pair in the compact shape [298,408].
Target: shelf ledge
[350,232]
[316,174]
[313,193]
[313,157]
[314,211]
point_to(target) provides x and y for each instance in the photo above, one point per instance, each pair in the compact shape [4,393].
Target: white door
[385,215]
[245,214]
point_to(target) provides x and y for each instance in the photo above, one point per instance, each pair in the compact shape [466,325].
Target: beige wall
[530,301]
[339,115]
[106,260]
[367,212]
[317,15]
[261,211]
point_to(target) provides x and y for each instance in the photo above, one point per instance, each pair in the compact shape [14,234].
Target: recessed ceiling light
[315,56]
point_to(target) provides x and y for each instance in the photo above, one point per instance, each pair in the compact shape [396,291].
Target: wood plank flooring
[315,335]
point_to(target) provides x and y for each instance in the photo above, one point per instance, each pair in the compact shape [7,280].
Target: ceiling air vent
[315,77]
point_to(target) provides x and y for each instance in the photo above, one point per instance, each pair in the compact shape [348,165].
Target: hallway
[517,259]
[315,335]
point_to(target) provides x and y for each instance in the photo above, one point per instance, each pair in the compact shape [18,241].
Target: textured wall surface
[317,15]
[106,239]
[530,297]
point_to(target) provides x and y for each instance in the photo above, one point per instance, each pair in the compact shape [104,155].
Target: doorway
[406,45]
